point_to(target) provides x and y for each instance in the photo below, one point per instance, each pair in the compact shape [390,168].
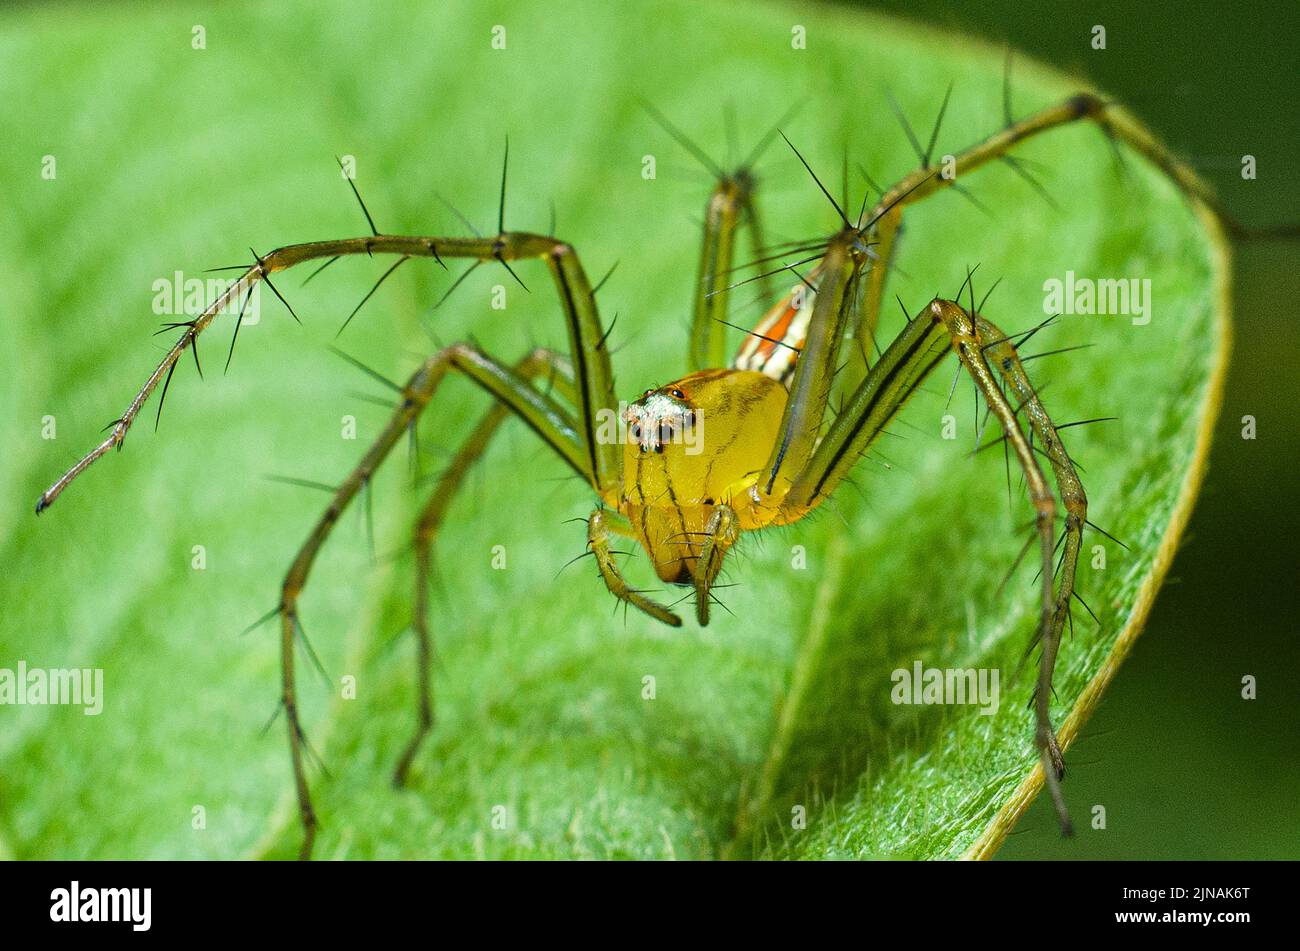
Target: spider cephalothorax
[739,444]
[693,446]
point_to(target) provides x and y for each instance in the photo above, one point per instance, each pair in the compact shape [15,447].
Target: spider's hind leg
[547,418]
[540,362]
[731,204]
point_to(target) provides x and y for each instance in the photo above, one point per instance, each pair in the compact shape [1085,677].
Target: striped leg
[842,259]
[593,376]
[928,338]
[720,534]
[538,363]
[833,303]
[551,421]
[885,240]
[1117,125]
[600,525]
[730,206]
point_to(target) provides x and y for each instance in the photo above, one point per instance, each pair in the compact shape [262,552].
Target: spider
[734,446]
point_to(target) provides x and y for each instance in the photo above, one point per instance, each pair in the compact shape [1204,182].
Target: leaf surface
[171,158]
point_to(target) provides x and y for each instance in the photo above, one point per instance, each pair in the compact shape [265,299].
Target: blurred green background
[1184,767]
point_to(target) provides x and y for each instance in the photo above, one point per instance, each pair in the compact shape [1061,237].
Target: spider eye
[677,394]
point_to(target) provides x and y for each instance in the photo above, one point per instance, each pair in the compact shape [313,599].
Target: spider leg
[547,418]
[1000,353]
[599,526]
[884,238]
[882,224]
[721,532]
[814,373]
[1117,125]
[593,375]
[730,205]
[928,338]
[536,364]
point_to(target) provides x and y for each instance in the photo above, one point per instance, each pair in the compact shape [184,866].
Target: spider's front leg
[928,179]
[586,381]
[941,328]
[981,345]
[593,377]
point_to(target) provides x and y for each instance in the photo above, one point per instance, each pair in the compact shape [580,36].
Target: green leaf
[171,157]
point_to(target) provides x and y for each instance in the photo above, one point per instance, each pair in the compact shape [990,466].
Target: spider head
[737,410]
